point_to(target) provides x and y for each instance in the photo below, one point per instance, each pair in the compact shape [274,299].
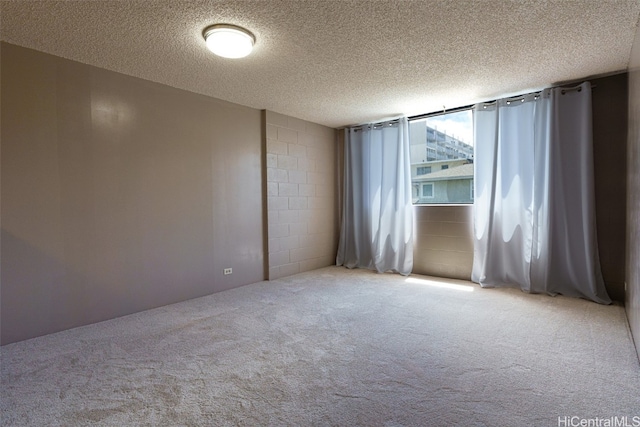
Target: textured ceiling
[340,62]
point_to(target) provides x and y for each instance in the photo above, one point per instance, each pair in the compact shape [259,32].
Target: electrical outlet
[228,271]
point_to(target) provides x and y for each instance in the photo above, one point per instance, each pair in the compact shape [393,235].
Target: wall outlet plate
[228,271]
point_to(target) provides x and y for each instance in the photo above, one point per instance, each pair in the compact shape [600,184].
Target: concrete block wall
[443,241]
[301,160]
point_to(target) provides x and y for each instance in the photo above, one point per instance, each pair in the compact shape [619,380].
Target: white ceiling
[340,62]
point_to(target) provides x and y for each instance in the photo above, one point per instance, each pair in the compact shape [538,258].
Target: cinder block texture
[302,210]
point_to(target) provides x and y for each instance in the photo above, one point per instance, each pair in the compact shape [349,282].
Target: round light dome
[229,41]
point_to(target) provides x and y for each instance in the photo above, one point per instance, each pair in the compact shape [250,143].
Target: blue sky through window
[458,124]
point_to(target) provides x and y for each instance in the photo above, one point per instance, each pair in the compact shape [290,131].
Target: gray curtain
[377,216]
[534,218]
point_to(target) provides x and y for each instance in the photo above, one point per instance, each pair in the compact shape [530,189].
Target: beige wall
[119,194]
[610,158]
[633,195]
[301,184]
[443,241]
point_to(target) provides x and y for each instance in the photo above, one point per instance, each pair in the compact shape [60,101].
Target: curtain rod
[373,125]
[439,113]
[457,109]
[469,107]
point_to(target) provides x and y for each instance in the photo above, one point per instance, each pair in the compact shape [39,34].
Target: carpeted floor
[333,347]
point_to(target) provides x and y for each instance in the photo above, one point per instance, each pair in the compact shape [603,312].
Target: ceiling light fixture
[229,41]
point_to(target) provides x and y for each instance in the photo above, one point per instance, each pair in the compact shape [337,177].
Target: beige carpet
[333,347]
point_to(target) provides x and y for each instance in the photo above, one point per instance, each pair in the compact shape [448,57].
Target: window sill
[440,205]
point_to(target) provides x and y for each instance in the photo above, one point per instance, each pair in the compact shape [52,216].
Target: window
[441,150]
[423,170]
[427,190]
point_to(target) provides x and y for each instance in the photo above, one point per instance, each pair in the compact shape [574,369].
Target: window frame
[471,160]
[433,189]
[423,168]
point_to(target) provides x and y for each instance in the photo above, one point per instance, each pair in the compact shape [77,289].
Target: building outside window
[441,150]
